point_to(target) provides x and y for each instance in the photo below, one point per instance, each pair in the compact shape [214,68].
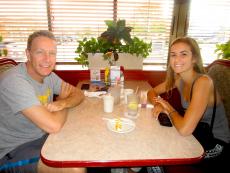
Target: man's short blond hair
[40,33]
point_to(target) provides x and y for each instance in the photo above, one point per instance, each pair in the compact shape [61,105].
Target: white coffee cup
[108,101]
[126,93]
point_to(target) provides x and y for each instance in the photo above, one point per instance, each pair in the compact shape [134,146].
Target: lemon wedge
[132,105]
[118,124]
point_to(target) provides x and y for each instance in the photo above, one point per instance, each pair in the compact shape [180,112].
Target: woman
[186,73]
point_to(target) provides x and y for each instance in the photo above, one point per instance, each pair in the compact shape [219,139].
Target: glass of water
[132,104]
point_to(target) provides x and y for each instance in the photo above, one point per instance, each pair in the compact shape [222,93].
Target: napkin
[94,93]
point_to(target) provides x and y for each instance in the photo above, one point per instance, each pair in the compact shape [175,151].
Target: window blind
[209,25]
[18,19]
[151,20]
[72,20]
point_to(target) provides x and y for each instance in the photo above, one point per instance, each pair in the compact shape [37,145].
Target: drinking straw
[137,89]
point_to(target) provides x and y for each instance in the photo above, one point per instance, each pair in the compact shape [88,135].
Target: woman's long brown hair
[198,66]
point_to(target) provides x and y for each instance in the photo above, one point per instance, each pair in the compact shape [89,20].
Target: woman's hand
[158,108]
[161,106]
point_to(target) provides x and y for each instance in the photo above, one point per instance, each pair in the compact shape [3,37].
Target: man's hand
[69,96]
[55,106]
[66,90]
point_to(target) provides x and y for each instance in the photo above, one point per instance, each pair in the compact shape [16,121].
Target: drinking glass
[132,105]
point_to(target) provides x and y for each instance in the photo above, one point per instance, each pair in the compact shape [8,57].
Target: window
[209,25]
[151,20]
[158,21]
[72,20]
[17,20]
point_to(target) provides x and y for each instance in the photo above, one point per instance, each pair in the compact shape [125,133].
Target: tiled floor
[107,170]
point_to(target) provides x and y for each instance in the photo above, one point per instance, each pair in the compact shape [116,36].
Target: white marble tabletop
[86,141]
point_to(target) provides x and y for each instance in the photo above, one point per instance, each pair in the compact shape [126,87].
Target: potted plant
[115,40]
[223,50]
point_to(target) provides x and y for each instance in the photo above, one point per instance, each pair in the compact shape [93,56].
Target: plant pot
[125,59]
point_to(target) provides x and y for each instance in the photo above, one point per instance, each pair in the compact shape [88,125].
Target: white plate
[122,125]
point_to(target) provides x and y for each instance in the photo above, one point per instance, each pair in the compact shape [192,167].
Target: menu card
[95,75]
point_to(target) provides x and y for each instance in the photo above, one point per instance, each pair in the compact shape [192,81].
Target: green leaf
[223,50]
[111,40]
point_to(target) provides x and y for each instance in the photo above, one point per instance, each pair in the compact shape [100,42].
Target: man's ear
[27,54]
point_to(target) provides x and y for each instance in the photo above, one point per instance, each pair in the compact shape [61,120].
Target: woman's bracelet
[170,113]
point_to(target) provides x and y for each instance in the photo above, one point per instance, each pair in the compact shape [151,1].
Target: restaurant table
[86,141]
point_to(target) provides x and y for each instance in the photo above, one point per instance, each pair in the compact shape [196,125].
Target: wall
[153,77]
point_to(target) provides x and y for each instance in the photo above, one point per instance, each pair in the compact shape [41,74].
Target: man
[28,111]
